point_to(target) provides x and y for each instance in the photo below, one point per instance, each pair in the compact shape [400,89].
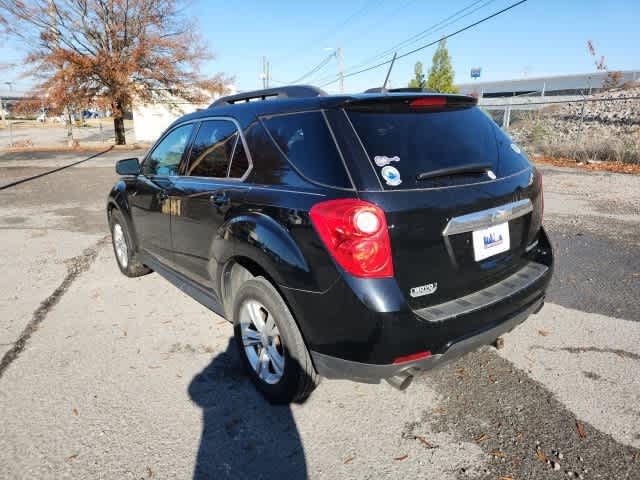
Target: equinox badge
[427,289]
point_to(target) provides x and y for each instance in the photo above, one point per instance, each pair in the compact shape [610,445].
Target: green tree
[441,73]
[419,80]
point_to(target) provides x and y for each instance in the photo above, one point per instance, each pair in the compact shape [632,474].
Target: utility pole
[4,120]
[263,75]
[8,123]
[340,69]
[268,75]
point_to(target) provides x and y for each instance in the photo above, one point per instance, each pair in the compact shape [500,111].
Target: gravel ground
[129,378]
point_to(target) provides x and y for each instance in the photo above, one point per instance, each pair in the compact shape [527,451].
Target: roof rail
[292,91]
[401,90]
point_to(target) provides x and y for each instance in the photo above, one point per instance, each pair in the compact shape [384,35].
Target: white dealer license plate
[490,241]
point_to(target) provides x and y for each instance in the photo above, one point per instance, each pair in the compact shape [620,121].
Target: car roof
[258,104]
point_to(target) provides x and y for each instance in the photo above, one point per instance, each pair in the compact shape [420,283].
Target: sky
[537,38]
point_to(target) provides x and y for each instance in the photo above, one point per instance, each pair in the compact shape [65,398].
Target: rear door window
[213,149]
[306,141]
[403,145]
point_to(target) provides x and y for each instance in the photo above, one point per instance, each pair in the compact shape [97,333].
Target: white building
[151,119]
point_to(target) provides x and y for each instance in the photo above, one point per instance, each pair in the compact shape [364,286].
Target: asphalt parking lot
[108,377]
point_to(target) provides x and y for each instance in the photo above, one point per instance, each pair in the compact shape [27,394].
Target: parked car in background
[364,237]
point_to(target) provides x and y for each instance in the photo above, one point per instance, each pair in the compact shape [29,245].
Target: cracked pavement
[108,377]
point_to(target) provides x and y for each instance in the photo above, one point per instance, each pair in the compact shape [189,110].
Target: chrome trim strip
[486,218]
[186,161]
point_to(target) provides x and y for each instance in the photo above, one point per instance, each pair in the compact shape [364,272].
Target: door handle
[220,199]
[162,195]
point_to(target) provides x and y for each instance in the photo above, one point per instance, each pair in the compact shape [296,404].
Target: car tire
[277,360]
[127,257]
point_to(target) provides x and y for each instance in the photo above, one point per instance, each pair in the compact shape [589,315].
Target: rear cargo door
[462,202]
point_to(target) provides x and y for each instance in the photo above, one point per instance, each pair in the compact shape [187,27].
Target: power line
[415,38]
[411,52]
[385,18]
[361,11]
[316,68]
[420,35]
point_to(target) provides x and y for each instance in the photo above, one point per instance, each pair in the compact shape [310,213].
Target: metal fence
[604,127]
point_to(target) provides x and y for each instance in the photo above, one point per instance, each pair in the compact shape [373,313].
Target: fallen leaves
[543,333]
[496,454]
[540,455]
[72,457]
[506,478]
[581,431]
[401,458]
[617,167]
[349,460]
[75,412]
[149,472]
[425,442]
[482,438]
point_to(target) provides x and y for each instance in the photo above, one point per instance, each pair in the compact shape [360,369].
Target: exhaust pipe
[539,307]
[400,381]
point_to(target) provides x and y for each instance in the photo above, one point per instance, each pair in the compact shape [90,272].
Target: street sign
[475,72]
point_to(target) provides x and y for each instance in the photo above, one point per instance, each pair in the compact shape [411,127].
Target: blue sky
[540,37]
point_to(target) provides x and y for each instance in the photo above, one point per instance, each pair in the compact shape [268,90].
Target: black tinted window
[512,160]
[165,158]
[212,149]
[306,141]
[413,143]
[240,162]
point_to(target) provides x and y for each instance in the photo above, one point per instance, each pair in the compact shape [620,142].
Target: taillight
[428,102]
[355,233]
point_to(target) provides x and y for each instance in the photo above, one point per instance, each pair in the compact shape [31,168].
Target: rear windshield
[401,146]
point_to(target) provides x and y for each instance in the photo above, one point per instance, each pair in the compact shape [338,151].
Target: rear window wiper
[470,168]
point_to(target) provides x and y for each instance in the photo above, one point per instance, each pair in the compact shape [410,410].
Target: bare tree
[613,77]
[110,52]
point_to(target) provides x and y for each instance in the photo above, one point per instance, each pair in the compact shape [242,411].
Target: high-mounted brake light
[355,233]
[428,102]
[412,357]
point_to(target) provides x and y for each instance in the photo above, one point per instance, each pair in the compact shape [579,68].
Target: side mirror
[128,166]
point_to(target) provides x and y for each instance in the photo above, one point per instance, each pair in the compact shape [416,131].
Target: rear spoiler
[410,103]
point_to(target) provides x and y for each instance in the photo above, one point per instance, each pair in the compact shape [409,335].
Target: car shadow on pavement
[243,435]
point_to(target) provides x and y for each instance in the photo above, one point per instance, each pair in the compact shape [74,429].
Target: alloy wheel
[120,244]
[262,341]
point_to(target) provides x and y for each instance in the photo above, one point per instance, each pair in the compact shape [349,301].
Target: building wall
[550,85]
[150,120]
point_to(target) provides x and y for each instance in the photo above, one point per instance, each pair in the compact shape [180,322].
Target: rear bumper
[358,327]
[338,368]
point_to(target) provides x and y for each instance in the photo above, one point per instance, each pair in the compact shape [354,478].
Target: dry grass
[624,149]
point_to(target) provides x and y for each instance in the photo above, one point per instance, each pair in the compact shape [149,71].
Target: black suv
[364,236]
